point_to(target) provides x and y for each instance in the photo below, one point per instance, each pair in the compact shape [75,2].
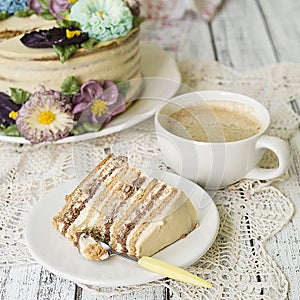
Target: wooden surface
[246,34]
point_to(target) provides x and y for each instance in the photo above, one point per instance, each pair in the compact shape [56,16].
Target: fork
[161,267]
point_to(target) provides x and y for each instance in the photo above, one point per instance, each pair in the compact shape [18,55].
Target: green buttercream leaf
[91,127]
[67,24]
[89,44]
[47,15]
[12,130]
[123,88]
[3,15]
[19,96]
[64,13]
[70,86]
[24,13]
[85,127]
[44,4]
[136,22]
[65,52]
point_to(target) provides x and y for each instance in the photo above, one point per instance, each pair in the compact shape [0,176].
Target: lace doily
[250,211]
[237,263]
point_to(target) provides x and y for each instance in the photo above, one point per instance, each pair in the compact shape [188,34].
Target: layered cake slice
[122,206]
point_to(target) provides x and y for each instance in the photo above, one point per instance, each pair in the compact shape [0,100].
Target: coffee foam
[214,121]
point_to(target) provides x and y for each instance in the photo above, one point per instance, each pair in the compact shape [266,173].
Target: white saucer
[59,256]
[161,81]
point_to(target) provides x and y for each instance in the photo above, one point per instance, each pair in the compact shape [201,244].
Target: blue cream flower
[102,20]
[12,6]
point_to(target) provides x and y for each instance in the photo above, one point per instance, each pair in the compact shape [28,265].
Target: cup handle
[281,149]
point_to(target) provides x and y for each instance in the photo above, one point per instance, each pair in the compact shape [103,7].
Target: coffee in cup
[216,138]
[213,121]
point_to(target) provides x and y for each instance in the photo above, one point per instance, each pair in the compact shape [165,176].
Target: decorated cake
[67,67]
[123,207]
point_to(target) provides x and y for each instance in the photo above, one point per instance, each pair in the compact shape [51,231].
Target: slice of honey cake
[122,206]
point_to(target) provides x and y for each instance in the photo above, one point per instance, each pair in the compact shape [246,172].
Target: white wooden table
[246,34]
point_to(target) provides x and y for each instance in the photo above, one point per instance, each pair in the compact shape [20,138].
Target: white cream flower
[45,117]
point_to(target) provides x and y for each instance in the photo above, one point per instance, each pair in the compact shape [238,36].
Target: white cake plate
[58,255]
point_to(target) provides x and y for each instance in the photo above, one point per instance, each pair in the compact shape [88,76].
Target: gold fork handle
[171,271]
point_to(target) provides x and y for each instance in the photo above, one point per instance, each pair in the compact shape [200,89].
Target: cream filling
[75,199]
[105,202]
[127,213]
[94,211]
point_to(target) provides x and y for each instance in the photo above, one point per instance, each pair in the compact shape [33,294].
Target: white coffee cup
[216,165]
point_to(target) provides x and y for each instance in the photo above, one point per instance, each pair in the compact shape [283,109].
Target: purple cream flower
[35,5]
[57,6]
[6,108]
[55,36]
[98,102]
[89,91]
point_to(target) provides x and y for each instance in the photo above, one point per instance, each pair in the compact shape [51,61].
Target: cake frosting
[79,43]
[14,26]
[123,207]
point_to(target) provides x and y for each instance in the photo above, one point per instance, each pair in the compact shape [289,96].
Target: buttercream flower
[35,5]
[8,110]
[89,91]
[55,36]
[58,6]
[45,116]
[66,36]
[98,103]
[102,20]
[110,104]
[36,39]
[12,6]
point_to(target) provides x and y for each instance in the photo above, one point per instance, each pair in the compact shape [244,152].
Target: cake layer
[118,60]
[122,206]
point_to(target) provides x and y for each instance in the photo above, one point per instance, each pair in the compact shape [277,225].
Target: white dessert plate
[161,81]
[54,252]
